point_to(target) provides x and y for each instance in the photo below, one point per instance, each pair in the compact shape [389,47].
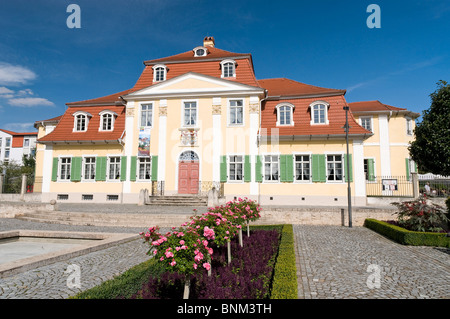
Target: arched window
[107,118]
[285,114]
[159,73]
[200,51]
[319,112]
[81,121]
[228,68]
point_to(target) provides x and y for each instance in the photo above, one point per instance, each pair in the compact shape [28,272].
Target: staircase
[178,200]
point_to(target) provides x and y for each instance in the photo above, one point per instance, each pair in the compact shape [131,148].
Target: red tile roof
[286,87]
[368,106]
[18,134]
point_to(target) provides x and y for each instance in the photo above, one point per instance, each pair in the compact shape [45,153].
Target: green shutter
[75,169]
[123,168]
[407,169]
[371,169]
[258,169]
[100,168]
[318,168]
[283,168]
[223,169]
[289,168]
[350,167]
[247,169]
[55,169]
[133,168]
[155,168]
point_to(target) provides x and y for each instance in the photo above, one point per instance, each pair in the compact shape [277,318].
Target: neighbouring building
[13,146]
[201,119]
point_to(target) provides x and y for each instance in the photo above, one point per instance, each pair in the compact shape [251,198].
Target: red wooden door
[188,176]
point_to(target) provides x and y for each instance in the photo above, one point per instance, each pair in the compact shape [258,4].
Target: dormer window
[159,73]
[228,68]
[81,121]
[319,113]
[285,113]
[200,51]
[107,118]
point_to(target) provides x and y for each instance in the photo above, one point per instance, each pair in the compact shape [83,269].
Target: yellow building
[200,119]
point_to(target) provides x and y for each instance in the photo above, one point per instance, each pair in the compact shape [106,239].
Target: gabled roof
[18,134]
[282,87]
[367,106]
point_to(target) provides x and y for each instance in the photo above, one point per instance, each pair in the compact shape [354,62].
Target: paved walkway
[332,262]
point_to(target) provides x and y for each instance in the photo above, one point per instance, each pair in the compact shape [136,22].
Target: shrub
[418,215]
[407,237]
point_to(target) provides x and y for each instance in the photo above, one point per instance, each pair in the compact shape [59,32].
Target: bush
[407,237]
[418,215]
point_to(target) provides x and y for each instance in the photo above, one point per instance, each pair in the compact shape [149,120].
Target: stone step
[178,200]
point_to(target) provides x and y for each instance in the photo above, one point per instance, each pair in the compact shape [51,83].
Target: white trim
[113,120]
[385,155]
[196,113]
[157,66]
[222,64]
[217,145]
[162,140]
[108,157]
[294,153]
[371,122]
[58,173]
[198,48]
[263,170]
[139,180]
[412,128]
[83,173]
[292,107]
[152,103]
[359,179]
[342,154]
[228,112]
[87,117]
[47,168]
[228,168]
[327,106]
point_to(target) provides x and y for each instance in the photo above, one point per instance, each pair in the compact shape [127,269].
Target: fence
[16,184]
[392,186]
[437,187]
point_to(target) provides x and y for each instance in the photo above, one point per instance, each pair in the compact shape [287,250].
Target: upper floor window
[366,122]
[190,113]
[200,51]
[146,114]
[159,73]
[7,142]
[228,68]
[319,113]
[409,130]
[81,121]
[285,114]
[236,112]
[107,120]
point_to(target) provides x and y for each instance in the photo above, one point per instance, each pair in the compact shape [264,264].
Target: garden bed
[264,268]
[407,237]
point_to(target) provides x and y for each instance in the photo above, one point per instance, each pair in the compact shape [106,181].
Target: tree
[431,147]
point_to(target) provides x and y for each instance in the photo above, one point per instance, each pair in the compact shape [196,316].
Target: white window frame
[291,113]
[205,51]
[156,77]
[68,171]
[222,66]
[83,168]
[151,115]
[183,107]
[302,181]
[108,172]
[409,126]
[313,105]
[78,114]
[138,168]
[234,107]
[342,167]
[363,118]
[264,168]
[229,163]
[102,120]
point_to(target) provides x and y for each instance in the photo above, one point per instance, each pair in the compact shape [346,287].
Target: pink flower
[169,254]
[173,263]
[208,233]
[207,266]
[181,242]
[195,266]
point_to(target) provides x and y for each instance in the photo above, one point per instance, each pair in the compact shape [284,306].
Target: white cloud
[4,90]
[25,92]
[30,102]
[20,127]
[15,74]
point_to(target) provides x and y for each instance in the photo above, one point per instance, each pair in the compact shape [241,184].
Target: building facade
[13,145]
[200,119]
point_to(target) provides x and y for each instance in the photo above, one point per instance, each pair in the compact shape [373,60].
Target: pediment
[193,84]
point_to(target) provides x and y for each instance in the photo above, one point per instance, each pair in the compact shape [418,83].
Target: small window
[81,121]
[235,168]
[114,168]
[236,112]
[228,68]
[366,122]
[87,197]
[146,114]
[106,121]
[64,168]
[190,113]
[62,196]
[26,142]
[200,51]
[144,168]
[112,197]
[271,170]
[159,73]
[285,114]
[334,167]
[319,113]
[7,142]
[302,168]
[89,168]
[409,130]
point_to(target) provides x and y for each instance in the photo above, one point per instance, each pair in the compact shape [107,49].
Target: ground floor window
[144,168]
[236,168]
[114,168]
[334,167]
[89,168]
[271,168]
[302,168]
[64,168]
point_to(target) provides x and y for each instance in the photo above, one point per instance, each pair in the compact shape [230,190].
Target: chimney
[208,42]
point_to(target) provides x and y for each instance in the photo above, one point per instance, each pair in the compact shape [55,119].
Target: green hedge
[284,284]
[406,237]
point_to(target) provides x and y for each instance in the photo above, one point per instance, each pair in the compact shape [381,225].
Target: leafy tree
[431,148]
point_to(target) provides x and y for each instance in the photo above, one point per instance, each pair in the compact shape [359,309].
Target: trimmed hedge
[284,281]
[407,237]
[284,284]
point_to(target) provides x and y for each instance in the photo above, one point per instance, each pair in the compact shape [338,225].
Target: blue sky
[44,64]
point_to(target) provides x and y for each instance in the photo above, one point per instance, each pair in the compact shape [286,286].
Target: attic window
[285,114]
[200,51]
[159,73]
[228,68]
[81,121]
[107,118]
[319,112]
